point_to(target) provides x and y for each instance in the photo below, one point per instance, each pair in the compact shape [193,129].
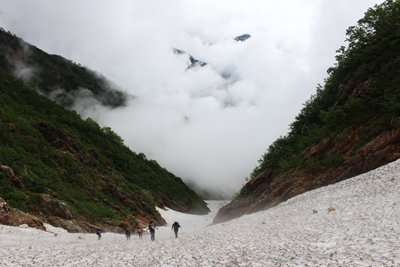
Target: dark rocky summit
[242,38]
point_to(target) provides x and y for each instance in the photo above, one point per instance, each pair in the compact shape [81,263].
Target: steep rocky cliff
[268,191]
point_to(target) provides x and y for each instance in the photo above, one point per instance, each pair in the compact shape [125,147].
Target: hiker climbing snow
[98,233]
[152,229]
[128,234]
[140,233]
[176,226]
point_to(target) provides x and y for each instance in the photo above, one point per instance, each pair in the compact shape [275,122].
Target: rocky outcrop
[7,171]
[109,186]
[55,207]
[268,190]
[108,225]
[58,138]
[72,226]
[163,202]
[13,217]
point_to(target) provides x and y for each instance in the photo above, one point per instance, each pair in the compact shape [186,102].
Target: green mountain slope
[60,78]
[53,152]
[350,126]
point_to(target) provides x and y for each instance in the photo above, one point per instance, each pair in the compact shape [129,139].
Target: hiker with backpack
[128,234]
[152,229]
[140,233]
[98,233]
[176,226]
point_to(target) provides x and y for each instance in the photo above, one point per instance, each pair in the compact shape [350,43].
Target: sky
[209,130]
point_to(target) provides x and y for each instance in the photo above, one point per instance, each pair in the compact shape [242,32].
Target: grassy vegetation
[34,132]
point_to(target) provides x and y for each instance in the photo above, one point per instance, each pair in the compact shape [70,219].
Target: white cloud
[231,122]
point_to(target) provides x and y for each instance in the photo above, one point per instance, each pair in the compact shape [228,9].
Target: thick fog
[208,125]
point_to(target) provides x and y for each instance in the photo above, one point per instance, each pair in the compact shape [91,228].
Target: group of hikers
[152,229]
[128,234]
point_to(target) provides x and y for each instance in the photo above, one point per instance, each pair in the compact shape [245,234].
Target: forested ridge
[52,151]
[62,79]
[371,64]
[350,126]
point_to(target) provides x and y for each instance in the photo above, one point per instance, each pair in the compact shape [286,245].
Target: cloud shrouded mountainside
[209,124]
[74,174]
[349,127]
[66,82]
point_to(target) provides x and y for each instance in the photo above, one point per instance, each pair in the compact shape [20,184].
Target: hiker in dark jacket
[176,228]
[128,234]
[152,229]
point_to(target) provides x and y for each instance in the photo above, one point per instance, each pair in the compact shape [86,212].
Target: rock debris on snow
[364,230]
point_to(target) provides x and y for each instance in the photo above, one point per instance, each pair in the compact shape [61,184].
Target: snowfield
[362,230]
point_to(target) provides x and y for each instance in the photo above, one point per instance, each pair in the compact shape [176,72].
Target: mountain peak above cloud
[242,38]
[193,62]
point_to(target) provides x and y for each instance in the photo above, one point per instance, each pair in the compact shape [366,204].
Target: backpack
[176,225]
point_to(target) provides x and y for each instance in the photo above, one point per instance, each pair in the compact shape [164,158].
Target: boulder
[13,217]
[8,172]
[70,225]
[55,207]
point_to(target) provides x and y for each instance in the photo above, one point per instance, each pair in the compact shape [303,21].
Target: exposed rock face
[55,208]
[71,226]
[165,202]
[13,217]
[268,191]
[109,186]
[58,138]
[10,173]
[74,226]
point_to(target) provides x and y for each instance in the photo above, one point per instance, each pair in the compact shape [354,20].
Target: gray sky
[196,124]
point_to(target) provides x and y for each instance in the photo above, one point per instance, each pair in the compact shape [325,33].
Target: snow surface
[363,230]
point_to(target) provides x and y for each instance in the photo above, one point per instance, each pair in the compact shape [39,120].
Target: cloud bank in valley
[203,127]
